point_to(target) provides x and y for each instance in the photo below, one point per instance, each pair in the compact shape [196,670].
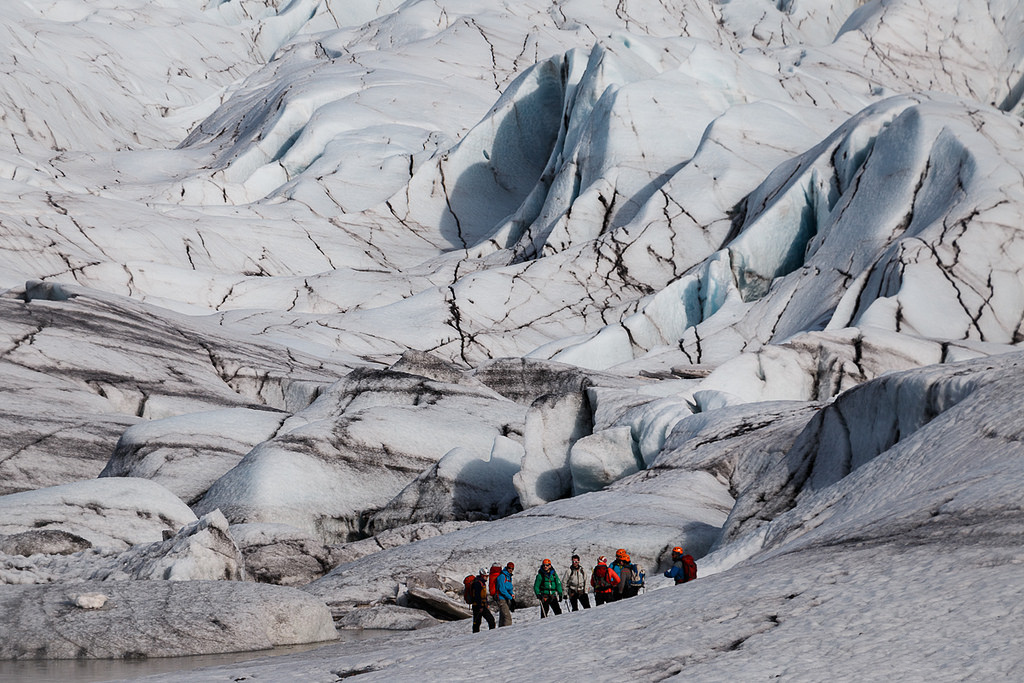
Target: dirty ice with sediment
[310,308]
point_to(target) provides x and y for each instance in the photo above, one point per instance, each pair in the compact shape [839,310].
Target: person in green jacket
[548,588]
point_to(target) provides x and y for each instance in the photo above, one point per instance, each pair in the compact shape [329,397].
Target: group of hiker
[615,581]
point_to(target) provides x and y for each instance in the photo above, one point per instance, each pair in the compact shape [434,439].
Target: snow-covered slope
[402,289]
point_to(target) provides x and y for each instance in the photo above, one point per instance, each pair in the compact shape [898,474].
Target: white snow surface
[408,288]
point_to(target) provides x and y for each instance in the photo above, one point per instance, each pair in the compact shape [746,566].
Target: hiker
[506,595]
[626,571]
[548,588]
[479,601]
[576,585]
[683,567]
[604,579]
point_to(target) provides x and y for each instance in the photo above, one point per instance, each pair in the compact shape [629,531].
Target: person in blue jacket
[506,595]
[683,567]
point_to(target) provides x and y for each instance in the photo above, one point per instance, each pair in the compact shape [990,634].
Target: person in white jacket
[576,585]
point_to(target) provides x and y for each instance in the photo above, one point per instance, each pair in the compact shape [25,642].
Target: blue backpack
[637,575]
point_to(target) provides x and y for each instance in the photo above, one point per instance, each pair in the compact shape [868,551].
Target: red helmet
[510,566]
[602,560]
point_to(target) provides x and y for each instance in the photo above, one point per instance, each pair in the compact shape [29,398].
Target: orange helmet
[546,561]
[677,550]
[621,554]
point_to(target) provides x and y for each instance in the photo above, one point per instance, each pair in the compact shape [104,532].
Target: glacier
[312,307]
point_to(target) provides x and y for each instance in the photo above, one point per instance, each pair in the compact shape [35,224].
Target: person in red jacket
[604,580]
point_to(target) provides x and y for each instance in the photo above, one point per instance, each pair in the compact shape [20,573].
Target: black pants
[581,598]
[481,612]
[549,601]
[602,598]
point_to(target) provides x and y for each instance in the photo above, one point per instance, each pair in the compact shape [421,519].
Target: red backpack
[467,592]
[492,581]
[601,580]
[689,568]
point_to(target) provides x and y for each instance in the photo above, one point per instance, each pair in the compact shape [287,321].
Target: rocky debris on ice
[156,619]
[387,617]
[91,600]
[284,555]
[436,602]
[525,380]
[398,536]
[42,542]
[202,550]
[109,513]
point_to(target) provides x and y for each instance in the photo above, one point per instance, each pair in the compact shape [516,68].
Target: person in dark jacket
[683,567]
[604,580]
[479,601]
[506,595]
[548,588]
[625,569]
[576,585]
